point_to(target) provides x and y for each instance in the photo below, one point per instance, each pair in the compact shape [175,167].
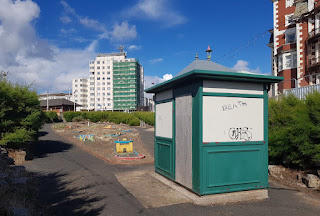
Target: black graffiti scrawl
[240,134]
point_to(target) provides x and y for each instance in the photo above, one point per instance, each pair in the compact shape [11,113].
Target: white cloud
[119,32]
[158,10]
[243,66]
[153,61]
[65,19]
[33,60]
[134,47]
[124,32]
[68,31]
[154,80]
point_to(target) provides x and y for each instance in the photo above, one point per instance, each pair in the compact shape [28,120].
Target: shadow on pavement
[42,133]
[59,199]
[43,147]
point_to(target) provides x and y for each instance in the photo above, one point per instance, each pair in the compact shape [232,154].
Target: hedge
[115,117]
[147,117]
[294,131]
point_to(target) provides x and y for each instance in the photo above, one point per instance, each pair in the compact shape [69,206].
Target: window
[280,63]
[98,83]
[289,19]
[109,104]
[98,94]
[92,104]
[91,94]
[98,67]
[103,83]
[98,88]
[76,85]
[108,72]
[91,83]
[103,88]
[91,78]
[108,67]
[108,78]
[108,83]
[103,78]
[103,94]
[103,73]
[102,62]
[98,78]
[289,3]
[102,67]
[98,62]
[91,88]
[98,73]
[108,88]
[287,61]
[91,73]
[290,35]
[108,94]
[75,80]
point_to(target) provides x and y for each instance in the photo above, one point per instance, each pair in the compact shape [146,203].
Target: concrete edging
[234,197]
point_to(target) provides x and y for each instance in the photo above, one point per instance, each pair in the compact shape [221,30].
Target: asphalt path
[73,182]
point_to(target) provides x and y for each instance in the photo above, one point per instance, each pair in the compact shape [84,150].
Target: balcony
[313,35]
[286,47]
[314,62]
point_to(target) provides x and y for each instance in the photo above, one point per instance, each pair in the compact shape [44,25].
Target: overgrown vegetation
[115,117]
[147,117]
[294,131]
[20,114]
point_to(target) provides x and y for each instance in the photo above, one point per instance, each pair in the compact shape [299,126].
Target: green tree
[20,114]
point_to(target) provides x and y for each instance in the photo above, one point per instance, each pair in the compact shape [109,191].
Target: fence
[302,91]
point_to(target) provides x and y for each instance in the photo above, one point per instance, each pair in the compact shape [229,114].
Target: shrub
[69,115]
[147,117]
[78,119]
[51,116]
[20,114]
[294,138]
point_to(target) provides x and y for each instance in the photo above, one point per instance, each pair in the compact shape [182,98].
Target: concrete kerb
[208,200]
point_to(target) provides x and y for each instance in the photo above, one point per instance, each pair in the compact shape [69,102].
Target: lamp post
[47,101]
[74,102]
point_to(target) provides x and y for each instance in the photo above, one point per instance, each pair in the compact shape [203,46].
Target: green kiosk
[211,128]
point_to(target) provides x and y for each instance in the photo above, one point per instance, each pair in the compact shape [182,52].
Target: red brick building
[295,43]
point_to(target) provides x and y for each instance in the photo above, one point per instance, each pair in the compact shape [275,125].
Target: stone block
[312,181]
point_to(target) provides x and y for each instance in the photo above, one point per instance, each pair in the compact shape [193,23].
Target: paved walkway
[73,182]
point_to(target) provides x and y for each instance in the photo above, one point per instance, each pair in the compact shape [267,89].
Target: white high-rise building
[80,93]
[115,83]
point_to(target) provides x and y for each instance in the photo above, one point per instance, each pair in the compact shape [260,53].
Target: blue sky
[48,43]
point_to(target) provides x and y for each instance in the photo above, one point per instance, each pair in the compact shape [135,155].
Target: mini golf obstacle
[85,137]
[124,150]
[114,135]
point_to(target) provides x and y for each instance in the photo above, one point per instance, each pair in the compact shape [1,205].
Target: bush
[147,117]
[115,117]
[78,119]
[20,114]
[51,116]
[294,138]
[69,115]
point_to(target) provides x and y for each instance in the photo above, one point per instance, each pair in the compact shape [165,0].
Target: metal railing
[301,92]
[314,33]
